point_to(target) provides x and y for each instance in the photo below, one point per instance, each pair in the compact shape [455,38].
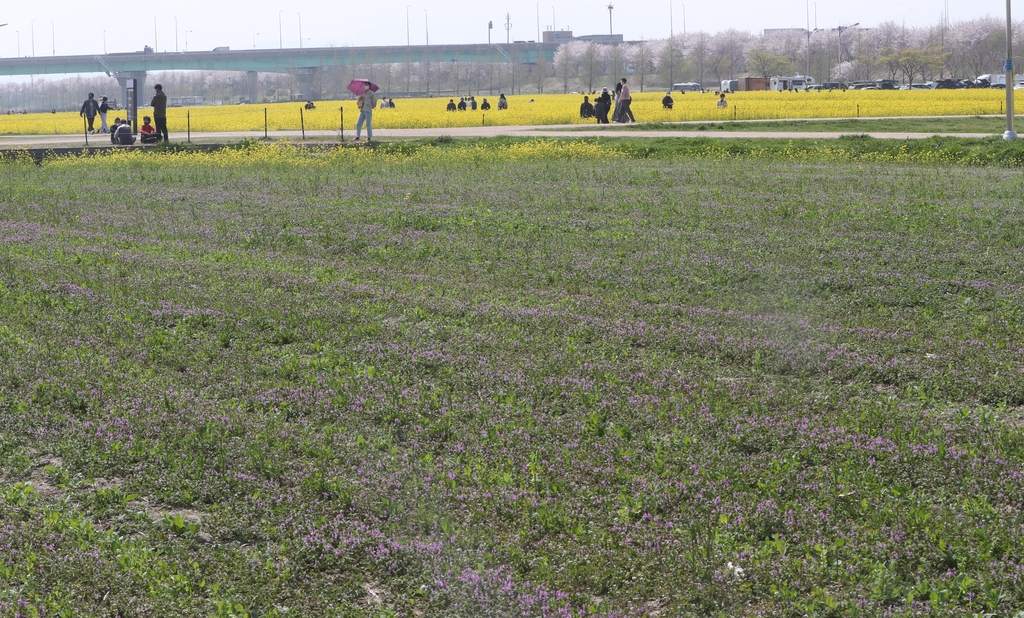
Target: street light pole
[426,26]
[538,21]
[175,34]
[32,27]
[408,39]
[156,40]
[840,30]
[104,42]
[53,40]
[300,28]
[610,30]
[280,32]
[1010,134]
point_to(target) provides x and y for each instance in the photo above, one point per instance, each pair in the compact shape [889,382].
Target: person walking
[104,108]
[159,104]
[622,111]
[366,102]
[89,109]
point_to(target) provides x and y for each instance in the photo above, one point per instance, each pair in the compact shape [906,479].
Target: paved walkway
[8,142]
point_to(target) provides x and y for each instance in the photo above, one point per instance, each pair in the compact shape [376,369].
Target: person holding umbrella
[366,91]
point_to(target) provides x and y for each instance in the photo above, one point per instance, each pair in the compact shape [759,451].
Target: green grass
[508,378]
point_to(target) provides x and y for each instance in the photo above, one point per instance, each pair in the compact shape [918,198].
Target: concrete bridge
[304,64]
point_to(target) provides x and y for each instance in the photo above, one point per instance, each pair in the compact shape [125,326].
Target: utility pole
[610,30]
[508,28]
[280,33]
[1010,134]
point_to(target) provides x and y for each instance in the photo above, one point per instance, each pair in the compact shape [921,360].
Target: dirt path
[560,131]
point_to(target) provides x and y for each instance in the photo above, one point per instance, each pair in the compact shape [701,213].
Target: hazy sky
[76,27]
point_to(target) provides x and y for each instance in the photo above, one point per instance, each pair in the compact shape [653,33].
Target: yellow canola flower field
[545,109]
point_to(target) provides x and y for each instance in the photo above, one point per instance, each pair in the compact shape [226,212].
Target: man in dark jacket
[89,109]
[586,108]
[159,104]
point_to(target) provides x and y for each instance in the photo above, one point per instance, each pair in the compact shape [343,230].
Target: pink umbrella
[359,86]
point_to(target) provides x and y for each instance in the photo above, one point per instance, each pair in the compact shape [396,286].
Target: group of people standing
[602,105]
[121,132]
[469,103]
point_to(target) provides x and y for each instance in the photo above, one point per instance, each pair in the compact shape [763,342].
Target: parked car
[946,84]
[833,86]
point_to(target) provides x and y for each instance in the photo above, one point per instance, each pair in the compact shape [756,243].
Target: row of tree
[889,50]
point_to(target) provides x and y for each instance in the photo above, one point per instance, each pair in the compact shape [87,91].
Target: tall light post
[104,42]
[18,33]
[408,39]
[1010,134]
[840,31]
[53,40]
[684,22]
[610,30]
[175,34]
[671,48]
[32,27]
[300,28]
[809,33]
[508,27]
[426,27]
[280,32]
[156,40]
[538,21]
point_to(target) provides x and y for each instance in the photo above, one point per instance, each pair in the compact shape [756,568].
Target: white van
[686,87]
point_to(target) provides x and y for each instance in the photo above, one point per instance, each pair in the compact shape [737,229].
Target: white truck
[796,82]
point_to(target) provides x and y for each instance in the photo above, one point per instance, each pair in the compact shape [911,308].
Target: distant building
[556,36]
[601,38]
[184,101]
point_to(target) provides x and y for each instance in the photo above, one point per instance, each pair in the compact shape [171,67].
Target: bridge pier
[306,77]
[252,81]
[140,87]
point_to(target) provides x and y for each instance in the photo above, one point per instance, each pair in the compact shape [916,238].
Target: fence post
[858,110]
[265,136]
[85,129]
[188,119]
[483,120]
[342,129]
[734,112]
[302,122]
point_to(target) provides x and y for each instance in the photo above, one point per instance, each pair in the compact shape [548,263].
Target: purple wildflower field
[552,387]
